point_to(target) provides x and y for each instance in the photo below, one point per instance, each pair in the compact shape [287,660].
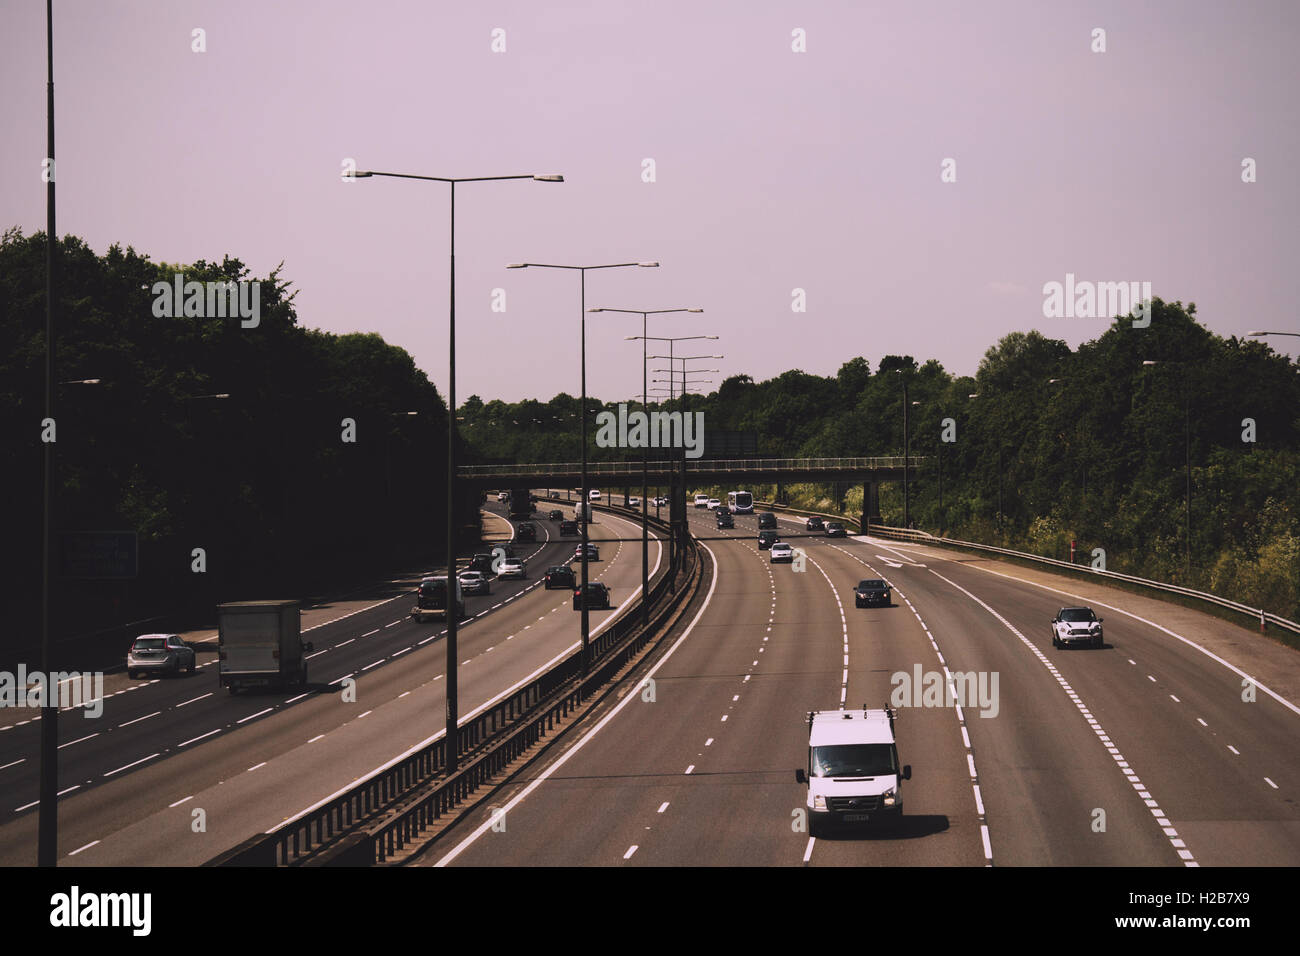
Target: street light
[907,523]
[585,503]
[645,458]
[450,744]
[1262,334]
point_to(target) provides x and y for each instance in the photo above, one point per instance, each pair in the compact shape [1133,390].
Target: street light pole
[645,457]
[48,826]
[585,502]
[450,744]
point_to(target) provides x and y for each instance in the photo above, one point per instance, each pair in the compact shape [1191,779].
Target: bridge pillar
[870,504]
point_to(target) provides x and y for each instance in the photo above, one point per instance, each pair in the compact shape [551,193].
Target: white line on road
[86,847]
[180,801]
[68,744]
[251,716]
[192,740]
[193,699]
[156,713]
[130,765]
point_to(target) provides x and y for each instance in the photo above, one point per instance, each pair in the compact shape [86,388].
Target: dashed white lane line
[630,851]
[345,643]
[180,801]
[195,699]
[86,847]
[256,767]
[1161,820]
[374,664]
[198,738]
[130,765]
[292,700]
[316,738]
[156,713]
[690,768]
[662,807]
[243,720]
[68,744]
[807,853]
[375,631]
[1230,747]
[1270,783]
[14,764]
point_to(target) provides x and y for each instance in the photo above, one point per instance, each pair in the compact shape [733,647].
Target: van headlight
[819,802]
[888,798]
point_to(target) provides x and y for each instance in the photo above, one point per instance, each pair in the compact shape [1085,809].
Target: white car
[701,501]
[594,494]
[1076,625]
[714,504]
[634,502]
[781,552]
[503,496]
[662,501]
[513,568]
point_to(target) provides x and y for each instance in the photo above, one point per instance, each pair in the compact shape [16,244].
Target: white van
[853,774]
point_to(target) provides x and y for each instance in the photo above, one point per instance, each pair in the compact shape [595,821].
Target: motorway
[176,770]
[1142,753]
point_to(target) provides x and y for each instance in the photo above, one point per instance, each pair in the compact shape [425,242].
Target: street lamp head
[517,265]
[694,310]
[1257,333]
[595,310]
[362,174]
[973,395]
[549,179]
[1150,362]
[648,265]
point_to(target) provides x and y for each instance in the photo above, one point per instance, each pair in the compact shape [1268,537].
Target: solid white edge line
[546,774]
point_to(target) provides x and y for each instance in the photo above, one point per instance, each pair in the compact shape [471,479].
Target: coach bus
[740,502]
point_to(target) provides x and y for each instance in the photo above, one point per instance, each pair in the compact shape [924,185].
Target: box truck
[259,644]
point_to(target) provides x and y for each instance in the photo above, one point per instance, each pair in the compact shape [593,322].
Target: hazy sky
[773,169]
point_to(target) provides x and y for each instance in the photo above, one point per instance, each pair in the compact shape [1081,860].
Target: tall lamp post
[645,457]
[907,523]
[47,848]
[585,503]
[672,467]
[451,743]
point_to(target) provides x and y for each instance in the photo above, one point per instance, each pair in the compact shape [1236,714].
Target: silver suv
[162,653]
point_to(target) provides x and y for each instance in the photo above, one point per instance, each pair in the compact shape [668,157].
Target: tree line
[1090,445]
[252,462]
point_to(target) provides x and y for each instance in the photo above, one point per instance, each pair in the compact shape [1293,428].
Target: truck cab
[853,774]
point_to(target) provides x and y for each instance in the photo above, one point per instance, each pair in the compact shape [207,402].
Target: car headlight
[819,802]
[888,798]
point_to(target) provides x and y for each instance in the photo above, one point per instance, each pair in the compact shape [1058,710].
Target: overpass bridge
[687,472]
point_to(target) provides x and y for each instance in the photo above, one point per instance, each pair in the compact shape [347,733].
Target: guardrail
[369,822]
[1264,617]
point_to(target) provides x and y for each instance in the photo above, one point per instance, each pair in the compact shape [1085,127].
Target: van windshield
[854,760]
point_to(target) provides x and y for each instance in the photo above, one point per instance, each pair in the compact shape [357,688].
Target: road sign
[98,554]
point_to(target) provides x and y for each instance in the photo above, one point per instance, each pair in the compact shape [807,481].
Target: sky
[919,170]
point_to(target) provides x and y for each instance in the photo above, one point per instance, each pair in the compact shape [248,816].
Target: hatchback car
[725,520]
[475,582]
[780,551]
[481,562]
[526,531]
[159,653]
[597,596]
[766,539]
[766,519]
[555,514]
[513,568]
[1076,625]
[835,530]
[559,576]
[593,552]
[634,502]
[568,528]
[814,523]
[714,504]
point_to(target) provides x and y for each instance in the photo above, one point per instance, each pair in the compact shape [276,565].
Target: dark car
[481,562]
[597,596]
[167,653]
[725,520]
[766,539]
[431,599]
[526,531]
[555,495]
[568,528]
[722,510]
[835,530]
[559,576]
[872,591]
[766,519]
[555,514]
[814,523]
